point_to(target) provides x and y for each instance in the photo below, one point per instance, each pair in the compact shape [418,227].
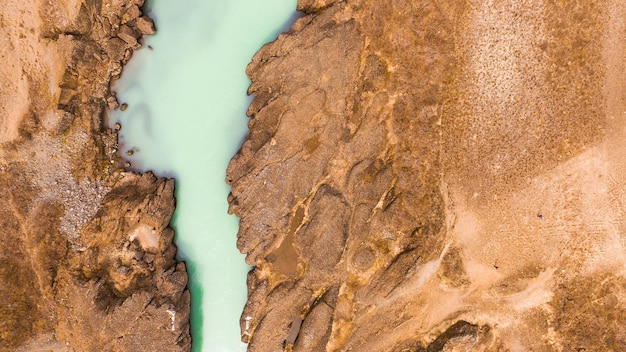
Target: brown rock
[65,97]
[128,35]
[67,270]
[311,6]
[112,103]
[116,49]
[146,25]
[396,162]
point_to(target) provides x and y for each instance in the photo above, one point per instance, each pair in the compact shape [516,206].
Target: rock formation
[86,257]
[437,176]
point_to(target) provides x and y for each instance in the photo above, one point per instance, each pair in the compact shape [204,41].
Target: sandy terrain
[462,190]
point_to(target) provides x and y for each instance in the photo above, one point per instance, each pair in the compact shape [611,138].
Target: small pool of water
[186,98]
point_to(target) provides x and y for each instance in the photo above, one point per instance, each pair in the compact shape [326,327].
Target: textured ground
[86,255]
[418,176]
[437,175]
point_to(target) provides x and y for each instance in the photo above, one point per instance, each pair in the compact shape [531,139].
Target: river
[186,96]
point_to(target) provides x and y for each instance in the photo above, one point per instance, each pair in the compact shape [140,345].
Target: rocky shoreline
[428,176]
[437,176]
[87,261]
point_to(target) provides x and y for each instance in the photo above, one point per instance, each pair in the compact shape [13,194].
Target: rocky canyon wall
[437,176]
[86,254]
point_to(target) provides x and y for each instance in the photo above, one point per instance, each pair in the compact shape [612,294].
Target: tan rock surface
[437,176]
[86,254]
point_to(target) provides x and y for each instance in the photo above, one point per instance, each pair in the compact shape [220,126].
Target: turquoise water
[185,119]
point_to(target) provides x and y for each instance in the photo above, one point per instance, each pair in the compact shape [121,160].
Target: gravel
[51,172]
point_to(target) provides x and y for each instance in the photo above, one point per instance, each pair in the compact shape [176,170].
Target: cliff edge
[86,258]
[437,176]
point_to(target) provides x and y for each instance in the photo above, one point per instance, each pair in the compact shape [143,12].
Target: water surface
[186,118]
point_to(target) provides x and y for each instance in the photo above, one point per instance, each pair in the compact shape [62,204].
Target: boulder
[128,35]
[146,25]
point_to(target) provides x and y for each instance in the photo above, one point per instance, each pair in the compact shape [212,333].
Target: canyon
[87,261]
[417,176]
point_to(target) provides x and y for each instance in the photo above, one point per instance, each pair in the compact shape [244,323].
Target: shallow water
[186,98]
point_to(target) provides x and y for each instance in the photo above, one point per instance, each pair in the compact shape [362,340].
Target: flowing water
[186,95]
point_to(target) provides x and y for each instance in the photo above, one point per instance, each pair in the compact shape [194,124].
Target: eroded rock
[128,34]
[71,277]
[397,160]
